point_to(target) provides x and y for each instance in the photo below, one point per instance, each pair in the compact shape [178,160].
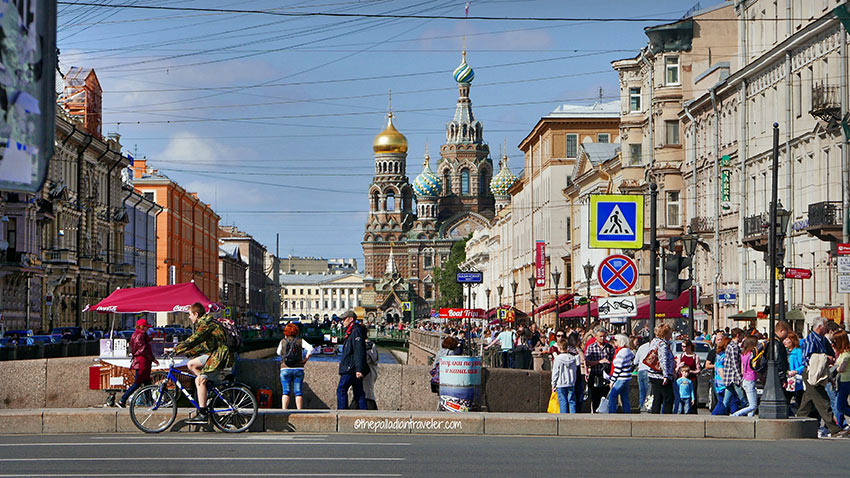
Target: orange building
[187,232]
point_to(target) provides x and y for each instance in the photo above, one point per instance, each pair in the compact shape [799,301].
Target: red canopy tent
[663,308]
[165,298]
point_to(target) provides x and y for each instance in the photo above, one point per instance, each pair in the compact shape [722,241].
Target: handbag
[598,381]
[603,405]
[554,406]
[652,360]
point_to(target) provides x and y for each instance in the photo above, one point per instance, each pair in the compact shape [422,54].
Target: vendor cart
[111,372]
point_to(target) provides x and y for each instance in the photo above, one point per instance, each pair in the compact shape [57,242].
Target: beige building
[795,75]
[320,295]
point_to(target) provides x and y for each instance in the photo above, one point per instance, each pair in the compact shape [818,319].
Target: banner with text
[540,263]
[461,314]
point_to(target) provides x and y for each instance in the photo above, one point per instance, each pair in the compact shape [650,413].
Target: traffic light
[674,264]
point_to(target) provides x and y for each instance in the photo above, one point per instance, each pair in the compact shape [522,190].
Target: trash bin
[522,358]
[460,383]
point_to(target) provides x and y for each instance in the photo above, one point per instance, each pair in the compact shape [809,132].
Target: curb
[110,420]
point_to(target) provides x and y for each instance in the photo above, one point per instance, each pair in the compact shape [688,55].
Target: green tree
[450,293]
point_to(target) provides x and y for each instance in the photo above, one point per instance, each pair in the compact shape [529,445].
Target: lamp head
[588,270]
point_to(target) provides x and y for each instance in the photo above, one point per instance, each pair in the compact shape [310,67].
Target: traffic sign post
[617,274]
[616,221]
[469,277]
[405,306]
[623,306]
[794,273]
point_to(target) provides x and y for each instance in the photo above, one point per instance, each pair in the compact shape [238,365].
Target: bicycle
[153,408]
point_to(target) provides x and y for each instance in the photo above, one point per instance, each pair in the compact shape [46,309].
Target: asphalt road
[289,455]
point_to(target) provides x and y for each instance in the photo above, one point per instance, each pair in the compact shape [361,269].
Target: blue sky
[269,116]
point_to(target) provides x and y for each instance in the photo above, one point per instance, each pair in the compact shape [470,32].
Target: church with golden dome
[412,226]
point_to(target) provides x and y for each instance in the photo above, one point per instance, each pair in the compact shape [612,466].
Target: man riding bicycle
[211,355]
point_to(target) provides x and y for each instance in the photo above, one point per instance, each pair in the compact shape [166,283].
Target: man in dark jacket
[352,363]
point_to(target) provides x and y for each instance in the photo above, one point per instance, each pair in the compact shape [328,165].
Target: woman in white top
[291,350]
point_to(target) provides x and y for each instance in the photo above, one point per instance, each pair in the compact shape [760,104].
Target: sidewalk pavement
[112,420]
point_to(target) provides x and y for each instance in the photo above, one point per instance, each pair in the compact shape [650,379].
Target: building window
[634,99]
[447,182]
[635,152]
[428,292]
[569,229]
[671,69]
[672,128]
[464,181]
[572,145]
[603,138]
[673,208]
[149,195]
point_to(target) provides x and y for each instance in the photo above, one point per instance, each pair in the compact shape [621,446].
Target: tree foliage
[450,293]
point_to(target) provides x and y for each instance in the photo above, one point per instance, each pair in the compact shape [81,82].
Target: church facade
[403,242]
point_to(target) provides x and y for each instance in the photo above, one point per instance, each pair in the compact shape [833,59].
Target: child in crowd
[686,390]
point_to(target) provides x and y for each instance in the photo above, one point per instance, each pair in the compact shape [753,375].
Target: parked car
[70,333]
[7,342]
[125,334]
[19,333]
[95,335]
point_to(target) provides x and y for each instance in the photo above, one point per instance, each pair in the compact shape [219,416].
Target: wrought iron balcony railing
[826,213]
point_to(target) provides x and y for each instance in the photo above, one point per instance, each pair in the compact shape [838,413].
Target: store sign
[540,263]
[461,314]
[835,314]
[726,188]
[844,284]
[843,249]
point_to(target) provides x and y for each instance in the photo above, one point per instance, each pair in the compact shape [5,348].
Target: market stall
[112,372]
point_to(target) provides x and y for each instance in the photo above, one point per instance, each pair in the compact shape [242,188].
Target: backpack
[232,338]
[292,352]
[758,362]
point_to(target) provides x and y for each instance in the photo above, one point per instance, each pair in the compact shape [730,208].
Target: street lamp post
[499,290]
[556,277]
[689,243]
[481,337]
[588,273]
[773,403]
[514,286]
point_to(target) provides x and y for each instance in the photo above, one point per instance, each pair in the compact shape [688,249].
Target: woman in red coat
[140,346]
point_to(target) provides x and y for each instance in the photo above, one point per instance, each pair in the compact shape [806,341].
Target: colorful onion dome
[503,181]
[390,140]
[427,184]
[463,73]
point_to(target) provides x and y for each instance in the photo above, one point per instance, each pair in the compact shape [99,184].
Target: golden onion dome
[390,140]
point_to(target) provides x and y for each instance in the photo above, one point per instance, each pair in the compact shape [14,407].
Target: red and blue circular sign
[617,274]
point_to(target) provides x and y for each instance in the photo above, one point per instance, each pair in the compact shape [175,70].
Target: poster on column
[540,263]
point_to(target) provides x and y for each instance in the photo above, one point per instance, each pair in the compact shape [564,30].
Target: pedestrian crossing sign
[616,221]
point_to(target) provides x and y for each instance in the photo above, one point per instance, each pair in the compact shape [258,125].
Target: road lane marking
[240,475]
[228,443]
[201,458]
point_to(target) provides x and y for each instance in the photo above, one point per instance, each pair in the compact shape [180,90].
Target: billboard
[27,83]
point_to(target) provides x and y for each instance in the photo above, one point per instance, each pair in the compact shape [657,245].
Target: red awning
[563,300]
[663,308]
[166,298]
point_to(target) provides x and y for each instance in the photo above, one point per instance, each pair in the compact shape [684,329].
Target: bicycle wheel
[233,409]
[153,408]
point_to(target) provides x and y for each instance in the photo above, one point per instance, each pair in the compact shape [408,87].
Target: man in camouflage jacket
[211,355]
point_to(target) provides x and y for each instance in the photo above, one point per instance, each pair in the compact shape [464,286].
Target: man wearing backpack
[208,346]
[352,364]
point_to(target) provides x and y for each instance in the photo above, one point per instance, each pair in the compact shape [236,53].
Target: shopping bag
[553,404]
[603,405]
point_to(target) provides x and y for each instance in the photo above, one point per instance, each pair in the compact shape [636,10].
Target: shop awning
[563,300]
[748,315]
[795,314]
[166,298]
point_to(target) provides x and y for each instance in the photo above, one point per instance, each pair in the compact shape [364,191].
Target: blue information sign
[470,277]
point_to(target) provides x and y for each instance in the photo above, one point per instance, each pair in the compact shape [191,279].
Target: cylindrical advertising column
[460,383]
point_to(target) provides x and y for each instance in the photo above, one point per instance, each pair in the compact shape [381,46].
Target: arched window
[390,201]
[485,183]
[447,182]
[375,201]
[464,181]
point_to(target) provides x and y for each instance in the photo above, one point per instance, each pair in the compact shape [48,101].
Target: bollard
[537,360]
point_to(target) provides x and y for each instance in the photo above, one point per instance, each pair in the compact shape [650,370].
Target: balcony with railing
[826,103]
[702,224]
[825,220]
[755,231]
[60,256]
[124,269]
